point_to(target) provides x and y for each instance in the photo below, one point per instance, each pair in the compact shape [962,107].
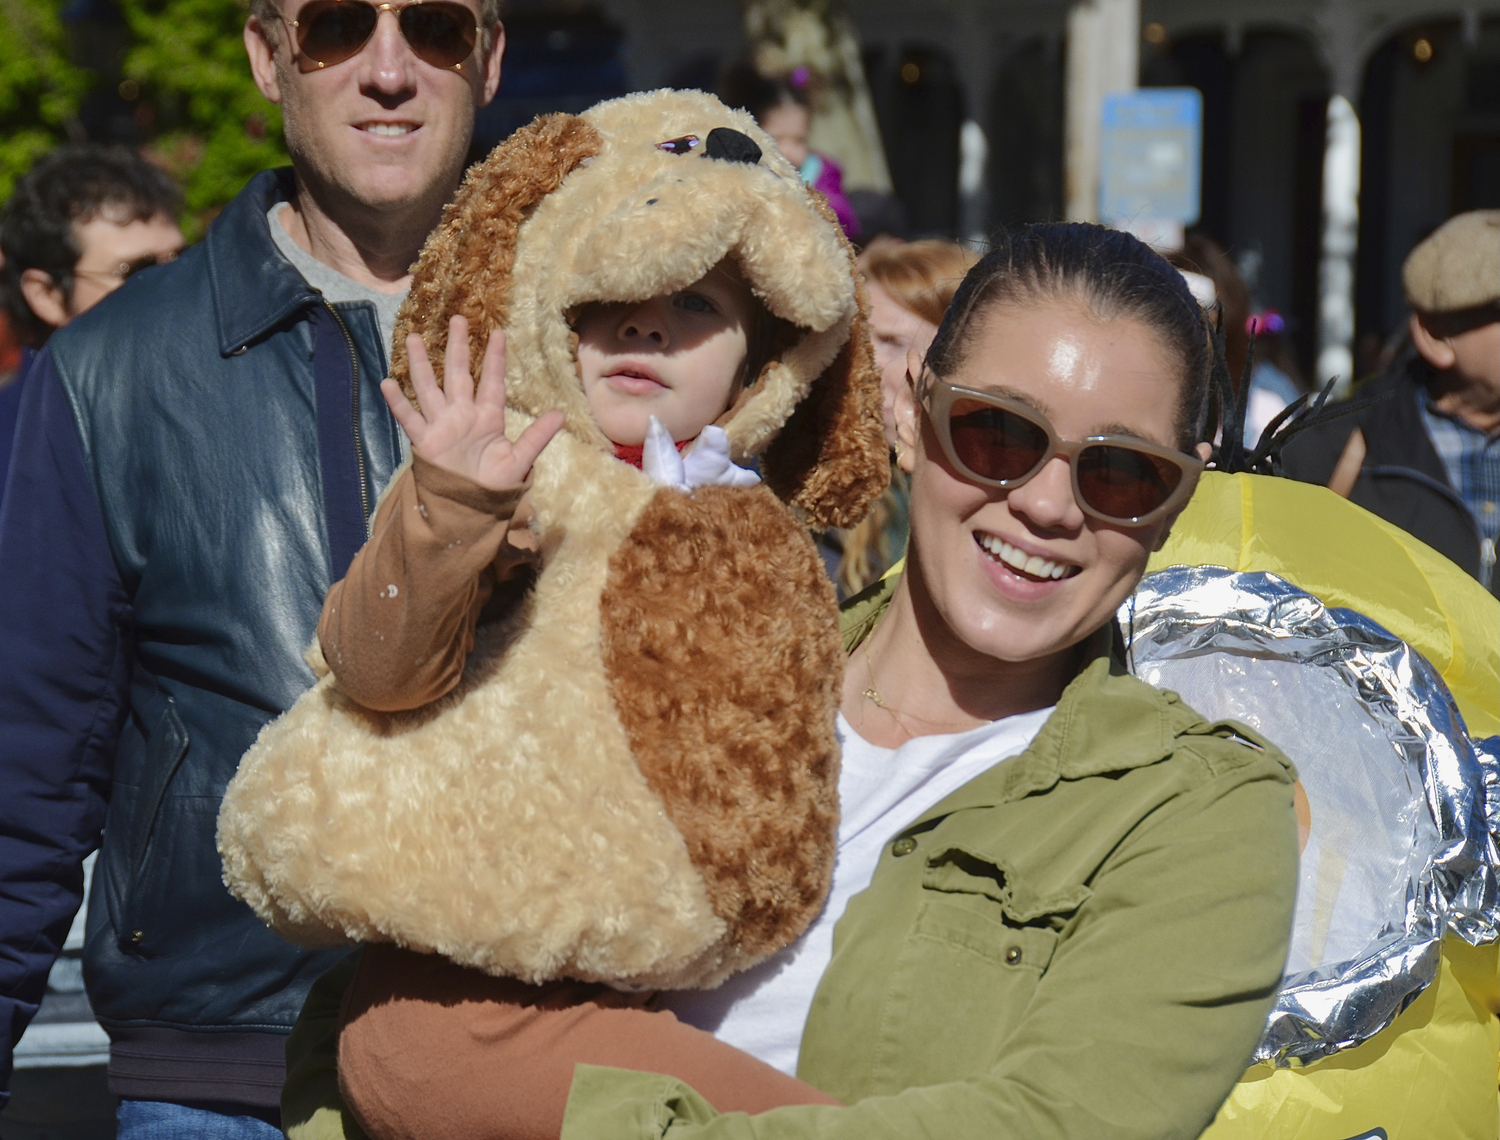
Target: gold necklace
[872,694]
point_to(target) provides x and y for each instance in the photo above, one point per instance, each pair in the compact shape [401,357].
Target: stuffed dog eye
[684,145]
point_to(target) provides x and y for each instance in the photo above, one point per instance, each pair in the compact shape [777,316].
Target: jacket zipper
[359,443]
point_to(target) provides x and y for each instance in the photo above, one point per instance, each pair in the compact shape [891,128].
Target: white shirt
[334,286]
[881,790]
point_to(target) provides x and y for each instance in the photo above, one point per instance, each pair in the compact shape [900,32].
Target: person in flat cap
[1425,453]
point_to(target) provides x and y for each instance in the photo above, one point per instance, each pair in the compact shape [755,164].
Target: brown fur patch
[720,640]
[831,460]
[465,267]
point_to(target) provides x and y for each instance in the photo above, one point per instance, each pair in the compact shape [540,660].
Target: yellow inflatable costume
[1432,1072]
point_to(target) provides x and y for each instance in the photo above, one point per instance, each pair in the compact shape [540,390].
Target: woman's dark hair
[746,88]
[1114,274]
[71,186]
[1200,254]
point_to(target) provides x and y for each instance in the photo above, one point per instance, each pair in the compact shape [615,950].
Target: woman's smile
[1019,569]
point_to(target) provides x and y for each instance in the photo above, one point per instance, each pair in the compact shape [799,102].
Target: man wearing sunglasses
[196,462]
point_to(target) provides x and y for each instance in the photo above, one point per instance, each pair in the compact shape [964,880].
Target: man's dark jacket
[10,408]
[195,461]
[1403,479]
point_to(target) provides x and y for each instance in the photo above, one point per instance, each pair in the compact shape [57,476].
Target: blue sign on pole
[1150,156]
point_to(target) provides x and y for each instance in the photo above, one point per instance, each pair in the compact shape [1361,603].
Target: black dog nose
[731,146]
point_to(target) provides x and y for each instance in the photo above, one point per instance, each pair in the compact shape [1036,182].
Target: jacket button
[903,846]
[1013,956]
[137,935]
[240,351]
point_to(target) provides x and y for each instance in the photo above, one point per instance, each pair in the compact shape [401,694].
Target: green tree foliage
[181,70]
[209,123]
[40,90]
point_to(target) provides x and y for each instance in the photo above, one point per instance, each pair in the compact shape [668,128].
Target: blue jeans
[162,1120]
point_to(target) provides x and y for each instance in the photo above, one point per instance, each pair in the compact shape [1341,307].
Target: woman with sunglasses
[1062,899]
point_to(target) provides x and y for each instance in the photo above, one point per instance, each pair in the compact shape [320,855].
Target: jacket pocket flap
[961,870]
[1028,947]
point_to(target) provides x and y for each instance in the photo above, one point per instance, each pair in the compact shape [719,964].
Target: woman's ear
[1203,451]
[1166,533]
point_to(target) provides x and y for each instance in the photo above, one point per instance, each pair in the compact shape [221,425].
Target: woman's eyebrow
[1129,432]
[1018,396]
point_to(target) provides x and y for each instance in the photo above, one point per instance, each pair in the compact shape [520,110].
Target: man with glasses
[82,220]
[195,464]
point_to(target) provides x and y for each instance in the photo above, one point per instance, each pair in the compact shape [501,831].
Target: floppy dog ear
[465,267]
[831,460]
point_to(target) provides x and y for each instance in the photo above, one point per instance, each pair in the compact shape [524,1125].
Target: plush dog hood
[639,197]
[636,780]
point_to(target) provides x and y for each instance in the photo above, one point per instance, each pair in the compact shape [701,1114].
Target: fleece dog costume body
[635,782]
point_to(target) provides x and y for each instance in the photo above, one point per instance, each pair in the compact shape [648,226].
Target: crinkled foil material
[1488,752]
[1384,747]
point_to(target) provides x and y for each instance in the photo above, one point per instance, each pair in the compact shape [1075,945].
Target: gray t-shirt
[330,282]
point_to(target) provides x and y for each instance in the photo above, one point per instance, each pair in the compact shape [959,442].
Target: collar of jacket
[254,288]
[1106,719]
[1388,424]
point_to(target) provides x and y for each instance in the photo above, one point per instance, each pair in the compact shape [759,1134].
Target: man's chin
[393,188]
[389,178]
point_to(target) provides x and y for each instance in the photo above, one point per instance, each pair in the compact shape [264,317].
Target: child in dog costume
[595,753]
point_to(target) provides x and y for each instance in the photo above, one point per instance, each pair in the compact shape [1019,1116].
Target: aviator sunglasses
[439,32]
[1003,443]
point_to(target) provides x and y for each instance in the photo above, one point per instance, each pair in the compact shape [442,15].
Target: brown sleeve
[396,630]
[427,1048]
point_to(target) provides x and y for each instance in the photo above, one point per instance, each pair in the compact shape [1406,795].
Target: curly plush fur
[635,781]
[740,749]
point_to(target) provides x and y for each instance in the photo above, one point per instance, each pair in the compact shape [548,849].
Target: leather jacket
[196,461]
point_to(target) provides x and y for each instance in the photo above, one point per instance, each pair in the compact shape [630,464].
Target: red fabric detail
[633,453]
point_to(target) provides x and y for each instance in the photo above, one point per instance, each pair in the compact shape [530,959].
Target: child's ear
[465,267]
[831,459]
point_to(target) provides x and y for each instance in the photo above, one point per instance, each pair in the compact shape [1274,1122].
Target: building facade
[1422,80]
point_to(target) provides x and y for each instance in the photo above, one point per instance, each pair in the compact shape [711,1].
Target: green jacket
[1083,941]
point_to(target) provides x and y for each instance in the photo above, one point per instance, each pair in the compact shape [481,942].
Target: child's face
[788,124]
[676,357]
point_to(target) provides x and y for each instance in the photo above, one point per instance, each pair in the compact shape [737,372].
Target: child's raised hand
[461,428]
